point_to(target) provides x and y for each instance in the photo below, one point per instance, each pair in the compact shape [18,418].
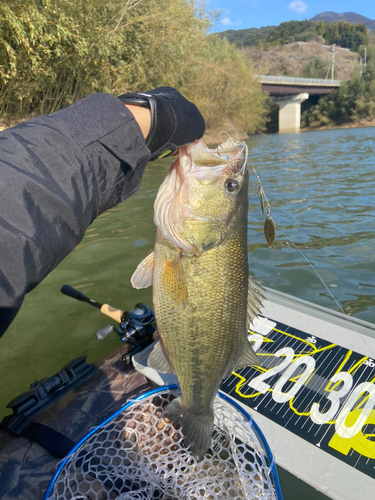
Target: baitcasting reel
[136,327]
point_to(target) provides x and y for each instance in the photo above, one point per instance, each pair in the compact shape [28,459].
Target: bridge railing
[302,81]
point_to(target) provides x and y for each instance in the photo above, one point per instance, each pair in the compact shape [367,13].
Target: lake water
[321,186]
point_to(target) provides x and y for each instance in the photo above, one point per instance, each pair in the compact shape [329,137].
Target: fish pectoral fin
[255,299]
[248,358]
[173,280]
[158,360]
[142,276]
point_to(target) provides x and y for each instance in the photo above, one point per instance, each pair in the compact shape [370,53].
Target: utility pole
[333,61]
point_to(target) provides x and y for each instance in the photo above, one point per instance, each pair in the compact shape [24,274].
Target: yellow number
[360,442]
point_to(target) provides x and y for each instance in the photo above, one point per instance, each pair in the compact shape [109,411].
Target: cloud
[298,6]
[227,22]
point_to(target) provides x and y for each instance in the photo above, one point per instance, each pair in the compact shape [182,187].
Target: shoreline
[363,123]
[212,136]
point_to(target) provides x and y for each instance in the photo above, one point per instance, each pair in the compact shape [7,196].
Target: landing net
[137,455]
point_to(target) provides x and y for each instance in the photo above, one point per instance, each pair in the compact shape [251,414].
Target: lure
[269,225]
[269,229]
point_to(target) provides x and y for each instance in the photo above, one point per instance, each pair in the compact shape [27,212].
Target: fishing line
[328,290]
[262,195]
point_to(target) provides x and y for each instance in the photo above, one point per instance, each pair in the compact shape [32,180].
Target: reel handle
[104,332]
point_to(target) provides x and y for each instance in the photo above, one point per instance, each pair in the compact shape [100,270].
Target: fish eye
[230,185]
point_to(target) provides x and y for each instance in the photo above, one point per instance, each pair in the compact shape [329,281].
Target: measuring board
[317,386]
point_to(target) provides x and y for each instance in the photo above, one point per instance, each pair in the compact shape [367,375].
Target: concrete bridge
[289,93]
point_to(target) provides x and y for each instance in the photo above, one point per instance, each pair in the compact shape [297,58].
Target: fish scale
[205,325]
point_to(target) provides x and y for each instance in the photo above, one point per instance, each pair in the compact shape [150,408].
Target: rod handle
[112,312]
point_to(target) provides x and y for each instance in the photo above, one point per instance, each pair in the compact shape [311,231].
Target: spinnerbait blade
[269,230]
[262,195]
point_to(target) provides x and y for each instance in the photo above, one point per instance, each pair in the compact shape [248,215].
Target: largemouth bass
[202,294]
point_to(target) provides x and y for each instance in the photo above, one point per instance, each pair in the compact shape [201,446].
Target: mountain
[347,35]
[349,17]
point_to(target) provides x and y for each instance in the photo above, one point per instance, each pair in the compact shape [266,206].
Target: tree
[55,52]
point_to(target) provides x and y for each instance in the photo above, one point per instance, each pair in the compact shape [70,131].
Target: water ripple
[321,186]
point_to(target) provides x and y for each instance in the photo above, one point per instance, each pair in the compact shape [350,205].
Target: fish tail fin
[196,428]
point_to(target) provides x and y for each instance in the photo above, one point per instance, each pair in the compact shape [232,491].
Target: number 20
[279,396]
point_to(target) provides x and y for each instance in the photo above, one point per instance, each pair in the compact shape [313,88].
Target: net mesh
[140,456]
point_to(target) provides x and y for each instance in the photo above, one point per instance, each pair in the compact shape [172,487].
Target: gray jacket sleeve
[57,174]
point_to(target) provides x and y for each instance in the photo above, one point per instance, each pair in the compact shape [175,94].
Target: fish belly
[204,331]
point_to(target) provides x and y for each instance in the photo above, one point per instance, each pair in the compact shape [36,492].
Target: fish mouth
[229,157]
[206,165]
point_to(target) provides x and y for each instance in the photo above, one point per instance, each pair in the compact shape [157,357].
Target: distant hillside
[247,37]
[344,34]
[349,17]
[303,59]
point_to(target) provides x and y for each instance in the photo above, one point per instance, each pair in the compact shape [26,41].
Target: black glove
[175,121]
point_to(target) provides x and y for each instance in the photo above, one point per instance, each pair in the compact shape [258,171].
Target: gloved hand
[175,121]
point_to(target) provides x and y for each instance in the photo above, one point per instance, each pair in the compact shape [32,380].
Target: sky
[242,14]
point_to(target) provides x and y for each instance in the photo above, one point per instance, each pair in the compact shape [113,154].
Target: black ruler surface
[322,392]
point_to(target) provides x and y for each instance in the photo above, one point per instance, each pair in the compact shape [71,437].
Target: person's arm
[59,172]
[142,117]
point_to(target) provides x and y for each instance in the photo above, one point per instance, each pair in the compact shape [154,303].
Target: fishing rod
[106,309]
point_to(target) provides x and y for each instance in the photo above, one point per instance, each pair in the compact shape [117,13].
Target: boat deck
[314,396]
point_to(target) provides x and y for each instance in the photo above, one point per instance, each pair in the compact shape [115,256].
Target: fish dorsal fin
[158,360]
[142,276]
[255,299]
[173,280]
[248,358]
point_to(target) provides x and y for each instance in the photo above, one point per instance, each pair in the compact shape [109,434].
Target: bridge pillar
[290,112]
